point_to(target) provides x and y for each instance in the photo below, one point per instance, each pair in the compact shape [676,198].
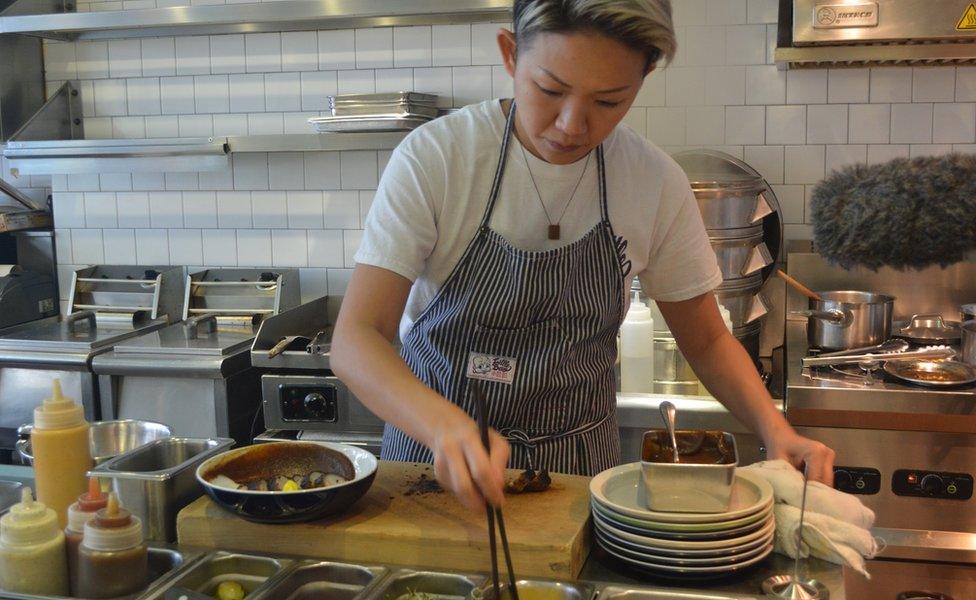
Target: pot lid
[713,170]
[58,336]
[927,329]
[173,341]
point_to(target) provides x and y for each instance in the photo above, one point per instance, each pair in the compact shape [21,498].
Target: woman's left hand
[799,451]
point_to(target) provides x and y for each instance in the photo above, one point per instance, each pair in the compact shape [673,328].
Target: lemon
[230,590]
[290,486]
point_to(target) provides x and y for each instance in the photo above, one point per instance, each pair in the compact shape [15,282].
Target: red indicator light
[912,478]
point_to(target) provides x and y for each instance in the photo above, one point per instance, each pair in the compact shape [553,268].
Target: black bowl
[285,458]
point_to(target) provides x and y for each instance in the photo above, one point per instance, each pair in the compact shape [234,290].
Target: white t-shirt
[434,192]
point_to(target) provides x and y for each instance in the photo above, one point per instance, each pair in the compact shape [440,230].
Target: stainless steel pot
[730,194]
[967,353]
[968,312]
[848,319]
[740,257]
[108,438]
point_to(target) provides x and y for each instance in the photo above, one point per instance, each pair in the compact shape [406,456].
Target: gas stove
[907,451]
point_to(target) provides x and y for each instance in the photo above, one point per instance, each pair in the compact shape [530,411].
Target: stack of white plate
[676,544]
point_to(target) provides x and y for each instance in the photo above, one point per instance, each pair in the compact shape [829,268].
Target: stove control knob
[932,484]
[843,480]
[315,404]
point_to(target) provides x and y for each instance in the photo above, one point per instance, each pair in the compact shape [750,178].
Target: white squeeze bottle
[637,347]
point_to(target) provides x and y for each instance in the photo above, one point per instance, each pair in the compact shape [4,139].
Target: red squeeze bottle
[112,559]
[79,513]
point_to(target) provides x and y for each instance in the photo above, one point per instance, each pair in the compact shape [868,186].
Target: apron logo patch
[491,368]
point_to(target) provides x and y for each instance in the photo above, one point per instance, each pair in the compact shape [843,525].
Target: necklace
[554,231]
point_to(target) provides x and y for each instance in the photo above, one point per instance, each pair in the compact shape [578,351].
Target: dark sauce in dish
[695,447]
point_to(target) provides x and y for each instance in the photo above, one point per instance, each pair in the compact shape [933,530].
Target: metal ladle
[793,587]
[668,412]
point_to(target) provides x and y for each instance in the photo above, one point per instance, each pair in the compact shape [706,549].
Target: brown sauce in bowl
[695,447]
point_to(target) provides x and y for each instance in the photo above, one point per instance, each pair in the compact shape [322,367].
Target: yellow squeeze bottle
[62,452]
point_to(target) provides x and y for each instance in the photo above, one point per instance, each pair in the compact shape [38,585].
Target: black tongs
[493,513]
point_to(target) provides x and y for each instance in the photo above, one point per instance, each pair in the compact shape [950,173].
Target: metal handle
[22,447]
[191,327]
[86,315]
[888,346]
[837,317]
[932,353]
[23,442]
[668,414]
[759,259]
[763,208]
[758,307]
[912,323]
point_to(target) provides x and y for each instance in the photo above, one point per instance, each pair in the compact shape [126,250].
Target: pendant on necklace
[554,232]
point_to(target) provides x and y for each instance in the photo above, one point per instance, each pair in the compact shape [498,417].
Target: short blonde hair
[644,25]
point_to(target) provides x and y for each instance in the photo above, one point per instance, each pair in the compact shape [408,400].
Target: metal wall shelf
[286,15]
[173,155]
[52,142]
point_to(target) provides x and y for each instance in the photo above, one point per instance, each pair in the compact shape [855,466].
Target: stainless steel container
[9,494]
[108,438]
[740,257]
[672,373]
[615,592]
[848,319]
[687,487]
[730,194]
[164,564]
[967,352]
[550,590]
[158,479]
[255,574]
[743,300]
[313,580]
[968,312]
[437,585]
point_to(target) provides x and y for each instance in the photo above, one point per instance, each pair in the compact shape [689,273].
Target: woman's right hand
[463,466]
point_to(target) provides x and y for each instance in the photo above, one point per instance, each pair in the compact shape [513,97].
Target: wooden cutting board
[548,532]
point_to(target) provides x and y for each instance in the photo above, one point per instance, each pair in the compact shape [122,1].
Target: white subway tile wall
[306,210]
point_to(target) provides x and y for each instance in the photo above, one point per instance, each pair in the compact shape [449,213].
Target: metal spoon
[792,587]
[668,412]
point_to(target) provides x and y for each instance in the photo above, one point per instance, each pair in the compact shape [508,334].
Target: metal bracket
[59,119]
[18,196]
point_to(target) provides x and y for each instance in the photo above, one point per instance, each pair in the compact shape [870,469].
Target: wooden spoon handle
[796,285]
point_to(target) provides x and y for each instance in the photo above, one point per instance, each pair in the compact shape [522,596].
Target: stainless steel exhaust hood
[822,33]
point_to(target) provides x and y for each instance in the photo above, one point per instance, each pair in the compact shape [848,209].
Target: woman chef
[502,241]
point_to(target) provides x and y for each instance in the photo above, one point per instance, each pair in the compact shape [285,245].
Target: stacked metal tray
[396,111]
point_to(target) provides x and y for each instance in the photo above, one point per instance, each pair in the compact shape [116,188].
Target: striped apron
[552,318]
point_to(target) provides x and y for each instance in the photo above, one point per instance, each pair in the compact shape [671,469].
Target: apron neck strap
[503,159]
[601,176]
[500,169]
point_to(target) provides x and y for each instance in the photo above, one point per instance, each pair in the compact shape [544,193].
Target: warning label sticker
[968,19]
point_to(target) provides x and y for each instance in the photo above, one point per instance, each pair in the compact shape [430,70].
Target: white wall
[306,210]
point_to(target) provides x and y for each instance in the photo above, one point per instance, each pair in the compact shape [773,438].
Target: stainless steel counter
[602,569]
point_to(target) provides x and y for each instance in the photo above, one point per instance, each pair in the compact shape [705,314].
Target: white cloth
[787,485]
[435,188]
[835,527]
[824,537]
